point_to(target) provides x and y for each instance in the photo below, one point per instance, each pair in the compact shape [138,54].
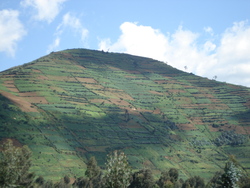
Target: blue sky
[209,37]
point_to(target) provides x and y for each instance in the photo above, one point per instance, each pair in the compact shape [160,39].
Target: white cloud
[44,10]
[233,54]
[229,60]
[74,24]
[11,31]
[70,21]
[138,40]
[54,45]
[209,30]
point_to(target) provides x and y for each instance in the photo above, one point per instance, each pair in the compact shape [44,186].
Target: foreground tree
[93,169]
[142,179]
[14,166]
[118,171]
[169,178]
[231,176]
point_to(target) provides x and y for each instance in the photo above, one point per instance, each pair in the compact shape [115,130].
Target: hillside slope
[74,104]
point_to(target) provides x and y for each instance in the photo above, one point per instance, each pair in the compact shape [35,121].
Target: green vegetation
[15,163]
[14,166]
[75,104]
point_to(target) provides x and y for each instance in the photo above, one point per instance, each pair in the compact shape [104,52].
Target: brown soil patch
[133,72]
[242,130]
[196,120]
[247,130]
[148,164]
[186,127]
[20,102]
[127,76]
[58,89]
[41,100]
[28,94]
[119,102]
[10,85]
[157,111]
[35,70]
[156,92]
[93,86]
[176,91]
[100,101]
[80,150]
[81,67]
[15,142]
[115,68]
[122,95]
[62,78]
[108,92]
[97,148]
[41,77]
[247,104]
[13,89]
[131,124]
[87,80]
[8,82]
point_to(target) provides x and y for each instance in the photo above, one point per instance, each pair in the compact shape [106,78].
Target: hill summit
[74,104]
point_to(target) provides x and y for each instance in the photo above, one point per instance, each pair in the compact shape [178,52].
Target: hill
[74,104]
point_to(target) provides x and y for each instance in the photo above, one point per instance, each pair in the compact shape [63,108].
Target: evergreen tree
[118,171]
[93,170]
[14,166]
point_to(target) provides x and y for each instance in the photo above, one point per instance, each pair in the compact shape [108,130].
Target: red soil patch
[20,102]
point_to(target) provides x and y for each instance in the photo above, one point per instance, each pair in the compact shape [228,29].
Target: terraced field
[74,104]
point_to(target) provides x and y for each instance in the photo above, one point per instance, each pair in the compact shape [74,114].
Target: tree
[142,179]
[93,170]
[118,171]
[194,182]
[14,166]
[231,175]
[169,178]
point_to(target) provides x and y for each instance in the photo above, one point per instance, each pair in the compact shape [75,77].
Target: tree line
[15,163]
